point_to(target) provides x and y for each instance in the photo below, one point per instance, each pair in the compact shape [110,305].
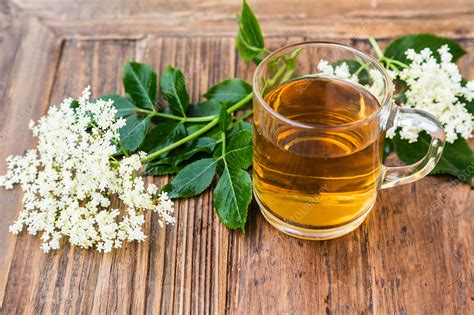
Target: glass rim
[388,86]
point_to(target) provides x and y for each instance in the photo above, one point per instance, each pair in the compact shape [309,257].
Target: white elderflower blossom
[430,85]
[342,71]
[436,87]
[68,179]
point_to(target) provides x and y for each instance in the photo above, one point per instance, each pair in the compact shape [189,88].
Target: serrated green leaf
[192,128]
[239,151]
[173,87]
[249,41]
[123,106]
[163,134]
[232,197]
[246,51]
[242,125]
[160,169]
[133,133]
[139,82]
[229,91]
[193,179]
[397,48]
[250,27]
[457,158]
[207,108]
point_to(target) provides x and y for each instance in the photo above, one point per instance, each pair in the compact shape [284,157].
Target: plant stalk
[376,47]
[199,132]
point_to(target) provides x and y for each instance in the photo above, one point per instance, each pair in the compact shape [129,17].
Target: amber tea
[318,138]
[318,178]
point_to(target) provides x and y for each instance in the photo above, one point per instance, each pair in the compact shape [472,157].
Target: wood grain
[413,255]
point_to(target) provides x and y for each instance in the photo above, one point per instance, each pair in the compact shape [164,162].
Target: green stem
[277,75]
[267,51]
[245,115]
[181,142]
[200,119]
[239,104]
[223,143]
[361,67]
[158,114]
[239,119]
[114,163]
[197,133]
[376,47]
[174,117]
[394,68]
[152,113]
[393,61]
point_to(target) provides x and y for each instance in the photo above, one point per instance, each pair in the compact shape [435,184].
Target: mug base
[315,234]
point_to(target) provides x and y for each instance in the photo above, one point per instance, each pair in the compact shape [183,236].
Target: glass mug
[319,138]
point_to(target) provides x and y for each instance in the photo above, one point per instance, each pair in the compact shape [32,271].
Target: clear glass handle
[409,117]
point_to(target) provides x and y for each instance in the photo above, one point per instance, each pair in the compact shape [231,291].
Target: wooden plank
[332,19]
[10,36]
[458,27]
[17,109]
[218,10]
[412,255]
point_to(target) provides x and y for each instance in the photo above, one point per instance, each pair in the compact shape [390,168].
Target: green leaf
[249,41]
[163,134]
[239,152]
[457,158]
[139,82]
[207,108]
[397,48]
[247,52]
[193,179]
[224,118]
[201,145]
[232,197]
[122,105]
[133,133]
[250,27]
[173,87]
[160,169]
[242,125]
[229,91]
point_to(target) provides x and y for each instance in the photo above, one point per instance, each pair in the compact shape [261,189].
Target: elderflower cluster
[430,85]
[341,71]
[437,88]
[376,85]
[68,180]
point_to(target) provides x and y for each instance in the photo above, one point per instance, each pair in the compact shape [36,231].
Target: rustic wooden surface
[413,255]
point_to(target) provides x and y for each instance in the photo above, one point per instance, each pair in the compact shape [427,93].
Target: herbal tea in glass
[321,111]
[321,179]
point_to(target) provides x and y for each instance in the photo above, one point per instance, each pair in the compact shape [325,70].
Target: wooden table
[413,255]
